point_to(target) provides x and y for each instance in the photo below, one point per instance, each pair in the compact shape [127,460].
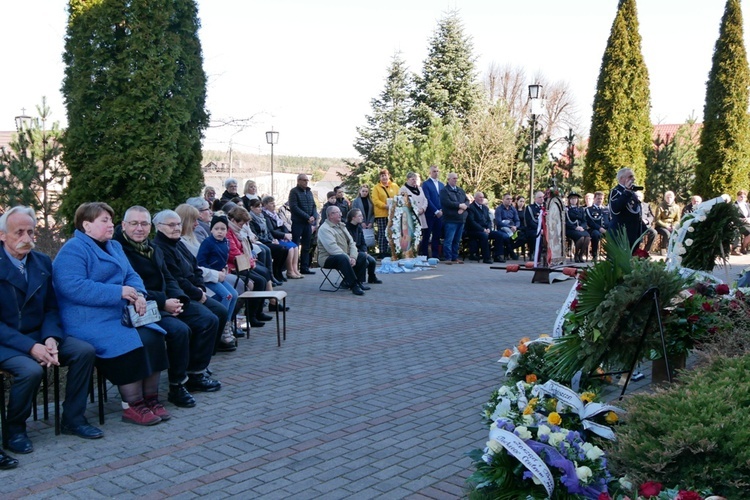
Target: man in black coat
[183,267]
[625,208]
[304,217]
[479,228]
[190,329]
[31,336]
[454,201]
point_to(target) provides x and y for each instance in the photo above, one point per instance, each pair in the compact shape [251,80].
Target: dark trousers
[596,237]
[351,274]
[499,238]
[301,233]
[648,238]
[221,313]
[370,264]
[434,230]
[178,347]
[204,332]
[74,353]
[665,233]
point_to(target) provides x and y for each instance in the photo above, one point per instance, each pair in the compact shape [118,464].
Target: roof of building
[667,131]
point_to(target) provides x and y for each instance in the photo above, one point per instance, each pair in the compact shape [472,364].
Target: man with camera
[625,208]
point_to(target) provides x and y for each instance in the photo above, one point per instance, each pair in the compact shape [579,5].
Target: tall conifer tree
[724,151]
[448,87]
[621,129]
[134,89]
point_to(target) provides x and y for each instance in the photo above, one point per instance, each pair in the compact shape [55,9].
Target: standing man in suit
[31,336]
[531,220]
[434,214]
[304,220]
[454,201]
[479,228]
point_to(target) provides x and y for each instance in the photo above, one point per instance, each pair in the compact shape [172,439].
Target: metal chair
[333,285]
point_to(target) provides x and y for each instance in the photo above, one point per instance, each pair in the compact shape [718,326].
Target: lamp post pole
[534,99]
[272,137]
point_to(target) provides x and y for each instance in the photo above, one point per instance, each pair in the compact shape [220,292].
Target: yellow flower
[528,410]
[611,417]
[530,378]
[587,397]
[554,418]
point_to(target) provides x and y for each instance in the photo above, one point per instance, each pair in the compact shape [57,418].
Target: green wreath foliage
[712,238]
[610,334]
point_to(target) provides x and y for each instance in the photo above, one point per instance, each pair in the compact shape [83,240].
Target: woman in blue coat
[94,283]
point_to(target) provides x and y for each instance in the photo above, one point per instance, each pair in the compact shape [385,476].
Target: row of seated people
[73,311]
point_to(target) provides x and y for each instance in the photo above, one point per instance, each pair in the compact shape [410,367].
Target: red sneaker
[140,414]
[157,408]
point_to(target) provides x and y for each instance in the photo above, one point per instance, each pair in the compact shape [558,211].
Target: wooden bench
[280,297]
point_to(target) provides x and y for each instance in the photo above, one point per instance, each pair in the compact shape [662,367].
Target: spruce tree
[621,129]
[389,120]
[134,89]
[448,86]
[724,151]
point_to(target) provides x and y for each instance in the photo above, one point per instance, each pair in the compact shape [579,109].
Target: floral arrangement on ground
[547,440]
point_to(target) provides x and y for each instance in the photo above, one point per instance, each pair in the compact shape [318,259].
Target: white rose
[543,429]
[583,473]
[690,229]
[523,433]
[688,242]
[556,438]
[527,419]
[593,452]
[494,446]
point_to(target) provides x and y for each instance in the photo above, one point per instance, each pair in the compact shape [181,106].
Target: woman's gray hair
[197,203]
[229,181]
[160,217]
[411,175]
[266,200]
[15,210]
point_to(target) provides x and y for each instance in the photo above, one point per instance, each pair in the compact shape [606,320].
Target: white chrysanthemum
[688,242]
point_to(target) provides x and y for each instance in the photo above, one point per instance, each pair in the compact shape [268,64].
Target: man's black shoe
[256,324]
[307,271]
[489,261]
[364,287]
[201,383]
[277,307]
[179,396]
[374,280]
[85,431]
[20,443]
[263,317]
[7,462]
[356,290]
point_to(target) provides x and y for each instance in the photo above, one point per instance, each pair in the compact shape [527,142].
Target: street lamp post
[535,100]
[272,137]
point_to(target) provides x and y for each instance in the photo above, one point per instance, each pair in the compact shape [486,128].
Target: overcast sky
[309,69]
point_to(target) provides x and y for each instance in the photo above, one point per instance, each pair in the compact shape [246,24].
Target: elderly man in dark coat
[625,207]
[31,336]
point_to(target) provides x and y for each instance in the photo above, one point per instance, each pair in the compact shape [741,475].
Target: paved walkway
[370,397]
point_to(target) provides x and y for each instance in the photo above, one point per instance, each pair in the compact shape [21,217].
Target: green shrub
[693,433]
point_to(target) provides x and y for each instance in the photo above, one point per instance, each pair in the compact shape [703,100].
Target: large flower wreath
[704,236]
[400,208]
